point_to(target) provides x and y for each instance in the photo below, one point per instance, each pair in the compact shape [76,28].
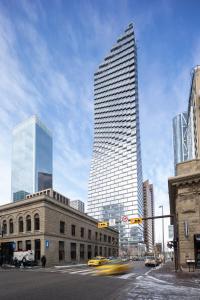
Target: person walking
[43,260]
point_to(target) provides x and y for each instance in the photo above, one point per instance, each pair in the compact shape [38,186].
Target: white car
[151,261]
[28,256]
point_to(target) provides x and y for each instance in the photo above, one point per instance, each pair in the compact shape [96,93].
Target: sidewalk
[167,273]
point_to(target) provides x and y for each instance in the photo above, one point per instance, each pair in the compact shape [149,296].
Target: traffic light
[172,244]
[103,224]
[135,221]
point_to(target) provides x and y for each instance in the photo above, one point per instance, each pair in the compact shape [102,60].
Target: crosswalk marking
[126,276]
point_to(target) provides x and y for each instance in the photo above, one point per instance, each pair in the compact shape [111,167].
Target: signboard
[135,221]
[171,232]
[47,244]
[102,224]
[112,222]
[125,219]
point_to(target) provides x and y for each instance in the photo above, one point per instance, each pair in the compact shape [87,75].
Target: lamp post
[163,238]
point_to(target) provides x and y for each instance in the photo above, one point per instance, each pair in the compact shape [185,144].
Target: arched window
[4,227]
[21,224]
[36,222]
[11,227]
[28,223]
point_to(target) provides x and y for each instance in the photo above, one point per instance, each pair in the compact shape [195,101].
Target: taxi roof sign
[102,224]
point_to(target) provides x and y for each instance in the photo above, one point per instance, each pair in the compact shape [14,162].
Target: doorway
[197,250]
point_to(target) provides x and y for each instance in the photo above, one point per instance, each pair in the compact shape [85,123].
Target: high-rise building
[31,158]
[78,204]
[148,201]
[115,184]
[180,138]
[193,123]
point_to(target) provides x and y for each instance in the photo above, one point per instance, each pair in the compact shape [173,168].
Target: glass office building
[31,158]
[180,138]
[115,184]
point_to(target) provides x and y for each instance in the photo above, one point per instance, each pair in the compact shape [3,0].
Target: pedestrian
[43,260]
[24,261]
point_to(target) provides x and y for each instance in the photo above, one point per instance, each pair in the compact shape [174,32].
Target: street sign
[47,243]
[124,219]
[135,221]
[112,222]
[102,224]
[171,232]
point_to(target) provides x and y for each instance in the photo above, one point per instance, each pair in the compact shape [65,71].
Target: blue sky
[49,51]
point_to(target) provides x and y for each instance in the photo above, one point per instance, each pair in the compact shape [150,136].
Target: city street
[81,282]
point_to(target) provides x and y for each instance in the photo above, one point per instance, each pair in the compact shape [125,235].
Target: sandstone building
[45,223]
[184,194]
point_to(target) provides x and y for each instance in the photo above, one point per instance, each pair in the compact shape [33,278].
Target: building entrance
[197,250]
[6,252]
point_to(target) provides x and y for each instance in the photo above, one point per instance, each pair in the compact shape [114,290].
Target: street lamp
[163,238]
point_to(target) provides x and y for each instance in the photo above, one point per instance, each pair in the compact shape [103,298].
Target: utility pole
[163,237]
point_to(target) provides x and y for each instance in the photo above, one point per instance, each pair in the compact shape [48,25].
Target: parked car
[151,261]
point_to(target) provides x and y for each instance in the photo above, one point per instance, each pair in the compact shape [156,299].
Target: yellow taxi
[114,267]
[97,261]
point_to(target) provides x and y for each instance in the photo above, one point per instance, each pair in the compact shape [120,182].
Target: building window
[100,237]
[100,251]
[4,227]
[105,238]
[73,230]
[109,239]
[62,227]
[28,245]
[113,240]
[73,251]
[36,222]
[37,249]
[105,251]
[96,236]
[109,251]
[19,246]
[82,251]
[82,232]
[89,234]
[28,223]
[89,251]
[21,224]
[96,251]
[61,250]
[11,226]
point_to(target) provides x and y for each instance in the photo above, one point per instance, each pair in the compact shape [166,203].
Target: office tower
[193,124]
[148,202]
[115,184]
[180,138]
[31,158]
[78,204]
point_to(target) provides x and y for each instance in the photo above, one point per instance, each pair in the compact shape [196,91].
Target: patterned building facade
[115,184]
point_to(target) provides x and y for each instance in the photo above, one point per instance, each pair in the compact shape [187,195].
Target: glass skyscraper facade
[115,184]
[180,138]
[31,158]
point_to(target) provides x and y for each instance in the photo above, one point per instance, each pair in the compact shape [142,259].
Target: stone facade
[184,193]
[64,234]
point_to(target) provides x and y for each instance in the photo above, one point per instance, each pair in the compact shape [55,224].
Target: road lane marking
[125,276]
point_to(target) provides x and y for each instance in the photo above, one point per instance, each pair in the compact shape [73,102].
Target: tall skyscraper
[148,201]
[115,184]
[180,138]
[78,204]
[193,124]
[31,158]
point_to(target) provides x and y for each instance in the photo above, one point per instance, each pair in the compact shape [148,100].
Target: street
[81,282]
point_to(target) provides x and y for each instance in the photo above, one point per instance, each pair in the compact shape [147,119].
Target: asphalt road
[81,283]
[22,285]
